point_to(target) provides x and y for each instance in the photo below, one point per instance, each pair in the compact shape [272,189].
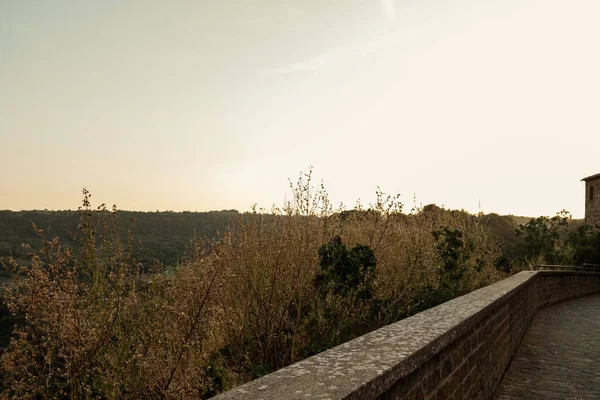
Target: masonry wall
[459,349]
[592,207]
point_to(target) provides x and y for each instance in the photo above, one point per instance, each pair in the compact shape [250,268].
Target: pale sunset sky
[203,105]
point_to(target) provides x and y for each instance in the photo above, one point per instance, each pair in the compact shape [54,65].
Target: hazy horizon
[407,209]
[212,105]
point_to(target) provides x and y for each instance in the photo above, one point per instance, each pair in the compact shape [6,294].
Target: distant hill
[504,228]
[163,235]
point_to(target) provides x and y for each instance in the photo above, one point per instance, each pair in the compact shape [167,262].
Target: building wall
[592,206]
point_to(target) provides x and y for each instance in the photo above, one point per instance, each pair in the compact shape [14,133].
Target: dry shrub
[236,308]
[271,261]
[274,313]
[97,327]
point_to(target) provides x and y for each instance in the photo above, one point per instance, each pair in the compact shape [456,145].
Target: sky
[214,104]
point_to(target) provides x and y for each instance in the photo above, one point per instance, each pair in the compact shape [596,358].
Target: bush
[586,244]
[540,239]
[276,287]
[346,272]
[95,327]
[557,240]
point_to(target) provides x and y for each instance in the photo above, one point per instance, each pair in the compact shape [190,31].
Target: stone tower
[592,199]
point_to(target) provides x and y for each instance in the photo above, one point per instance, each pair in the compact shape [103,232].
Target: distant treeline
[165,235]
[504,228]
[162,236]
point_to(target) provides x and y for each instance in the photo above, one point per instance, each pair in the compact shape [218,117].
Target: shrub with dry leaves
[260,297]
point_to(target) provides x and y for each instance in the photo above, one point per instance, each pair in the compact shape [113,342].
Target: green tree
[541,238]
[452,251]
[346,270]
[586,244]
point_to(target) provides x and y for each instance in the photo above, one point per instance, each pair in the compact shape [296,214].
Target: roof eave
[590,177]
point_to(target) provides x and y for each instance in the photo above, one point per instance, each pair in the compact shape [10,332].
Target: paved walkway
[559,357]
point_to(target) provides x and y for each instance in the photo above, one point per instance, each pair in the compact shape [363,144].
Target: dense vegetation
[161,235]
[165,236]
[272,288]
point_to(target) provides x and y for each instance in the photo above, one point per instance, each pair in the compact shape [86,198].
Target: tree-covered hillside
[162,236]
[165,235]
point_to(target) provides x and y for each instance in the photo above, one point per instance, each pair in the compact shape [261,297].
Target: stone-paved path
[559,357]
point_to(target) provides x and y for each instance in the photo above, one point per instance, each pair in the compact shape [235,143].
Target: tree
[541,237]
[346,271]
[586,243]
[451,249]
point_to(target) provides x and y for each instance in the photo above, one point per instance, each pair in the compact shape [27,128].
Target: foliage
[541,238]
[95,327]
[586,242]
[503,227]
[346,271]
[345,287]
[165,235]
[292,290]
[556,240]
[160,235]
[275,287]
[451,249]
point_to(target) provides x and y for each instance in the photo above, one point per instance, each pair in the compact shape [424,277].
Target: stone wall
[592,207]
[459,349]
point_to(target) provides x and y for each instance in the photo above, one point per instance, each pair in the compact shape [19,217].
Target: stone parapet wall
[556,287]
[459,349]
